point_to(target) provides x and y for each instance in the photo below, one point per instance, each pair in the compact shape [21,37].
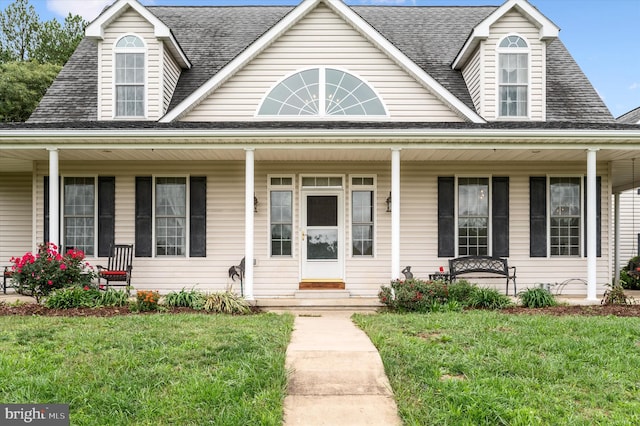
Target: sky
[602,35]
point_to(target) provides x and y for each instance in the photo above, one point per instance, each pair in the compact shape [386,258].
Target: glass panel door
[322,235]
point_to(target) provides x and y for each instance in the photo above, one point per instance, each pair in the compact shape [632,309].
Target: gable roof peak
[95,30]
[547,29]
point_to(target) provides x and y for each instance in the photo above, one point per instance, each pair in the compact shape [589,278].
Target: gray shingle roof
[631,117]
[213,36]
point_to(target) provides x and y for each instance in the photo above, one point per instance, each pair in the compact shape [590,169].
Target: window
[129,77]
[281,215]
[171,216]
[322,92]
[79,212]
[473,216]
[362,203]
[513,54]
[564,217]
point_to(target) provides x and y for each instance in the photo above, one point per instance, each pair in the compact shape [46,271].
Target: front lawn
[490,368]
[160,369]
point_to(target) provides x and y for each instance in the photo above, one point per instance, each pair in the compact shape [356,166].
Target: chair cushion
[113,273]
[8,273]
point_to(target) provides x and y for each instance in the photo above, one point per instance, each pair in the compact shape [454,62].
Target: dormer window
[322,92]
[130,77]
[513,83]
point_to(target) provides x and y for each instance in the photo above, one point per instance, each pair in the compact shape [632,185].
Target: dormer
[139,63]
[503,63]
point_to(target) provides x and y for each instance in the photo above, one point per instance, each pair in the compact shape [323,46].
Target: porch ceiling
[622,161]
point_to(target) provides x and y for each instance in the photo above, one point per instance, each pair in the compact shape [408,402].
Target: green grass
[159,369]
[488,368]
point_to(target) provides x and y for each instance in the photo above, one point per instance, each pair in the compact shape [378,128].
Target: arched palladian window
[322,92]
[513,53]
[129,76]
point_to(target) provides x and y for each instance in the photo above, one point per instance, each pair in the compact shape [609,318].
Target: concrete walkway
[336,375]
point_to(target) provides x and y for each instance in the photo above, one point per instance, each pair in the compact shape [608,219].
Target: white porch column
[591,225]
[54,197]
[395,213]
[616,242]
[248,223]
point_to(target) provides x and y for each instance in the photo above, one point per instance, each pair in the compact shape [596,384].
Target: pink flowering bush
[40,274]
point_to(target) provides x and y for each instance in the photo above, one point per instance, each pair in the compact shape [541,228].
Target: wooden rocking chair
[118,270]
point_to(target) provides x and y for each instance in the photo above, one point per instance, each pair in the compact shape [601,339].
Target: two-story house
[333,145]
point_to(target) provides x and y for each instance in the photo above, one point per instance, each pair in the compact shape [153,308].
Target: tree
[22,85]
[56,42]
[19,25]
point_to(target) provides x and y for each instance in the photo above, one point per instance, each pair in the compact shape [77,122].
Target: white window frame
[374,220]
[282,187]
[582,242]
[95,213]
[187,223]
[490,211]
[512,50]
[118,50]
[321,99]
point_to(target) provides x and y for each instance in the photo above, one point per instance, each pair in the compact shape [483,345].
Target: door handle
[302,235]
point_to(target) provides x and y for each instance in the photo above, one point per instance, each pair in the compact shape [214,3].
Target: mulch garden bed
[35,309]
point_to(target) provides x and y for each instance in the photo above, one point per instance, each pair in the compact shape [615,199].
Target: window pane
[281,207]
[322,210]
[79,214]
[565,210]
[362,223]
[170,211]
[473,216]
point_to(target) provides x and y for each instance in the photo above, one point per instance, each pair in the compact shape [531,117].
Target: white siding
[514,23]
[629,225]
[171,74]
[130,22]
[15,216]
[321,39]
[472,74]
[364,276]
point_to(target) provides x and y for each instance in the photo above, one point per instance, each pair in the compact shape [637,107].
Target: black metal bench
[6,276]
[485,265]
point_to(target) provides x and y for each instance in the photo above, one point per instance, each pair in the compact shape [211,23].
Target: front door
[322,235]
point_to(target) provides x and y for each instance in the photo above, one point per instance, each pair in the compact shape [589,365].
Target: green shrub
[85,297]
[226,303]
[537,298]
[72,297]
[461,291]
[414,295]
[628,281]
[183,298]
[616,296]
[488,298]
[113,297]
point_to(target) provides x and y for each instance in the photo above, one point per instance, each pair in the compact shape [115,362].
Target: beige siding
[130,22]
[514,23]
[322,39]
[171,74]
[363,276]
[629,225]
[472,74]
[15,216]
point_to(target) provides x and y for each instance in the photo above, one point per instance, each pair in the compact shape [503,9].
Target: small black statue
[407,273]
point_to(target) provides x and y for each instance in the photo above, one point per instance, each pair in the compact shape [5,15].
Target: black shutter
[106,214]
[538,216]
[46,209]
[446,216]
[500,216]
[144,210]
[198,216]
[598,216]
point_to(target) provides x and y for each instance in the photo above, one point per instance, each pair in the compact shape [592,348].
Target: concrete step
[322,294]
[321,303]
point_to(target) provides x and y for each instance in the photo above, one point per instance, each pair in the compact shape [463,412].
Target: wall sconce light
[255,204]
[388,201]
